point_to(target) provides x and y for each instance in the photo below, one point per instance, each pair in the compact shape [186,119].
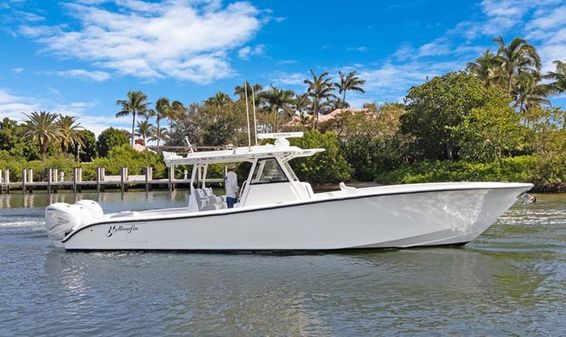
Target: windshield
[268,171]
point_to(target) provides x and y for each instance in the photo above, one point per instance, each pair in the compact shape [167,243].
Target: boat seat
[212,207]
[208,202]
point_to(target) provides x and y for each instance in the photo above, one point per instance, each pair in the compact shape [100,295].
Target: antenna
[248,113]
[255,119]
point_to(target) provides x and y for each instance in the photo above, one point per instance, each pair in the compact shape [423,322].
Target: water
[509,281]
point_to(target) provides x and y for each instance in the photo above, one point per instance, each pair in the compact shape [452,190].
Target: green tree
[257,88]
[277,100]
[559,77]
[329,166]
[175,113]
[145,130]
[301,104]
[516,58]
[136,103]
[219,99]
[87,151]
[349,82]
[370,140]
[529,93]
[435,108]
[70,133]
[41,127]
[13,141]
[162,107]
[109,139]
[491,131]
[319,88]
[487,68]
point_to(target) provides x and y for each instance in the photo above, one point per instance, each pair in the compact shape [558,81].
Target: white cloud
[17,70]
[283,62]
[548,30]
[360,49]
[293,79]
[187,40]
[542,22]
[437,47]
[29,17]
[247,51]
[97,76]
[14,107]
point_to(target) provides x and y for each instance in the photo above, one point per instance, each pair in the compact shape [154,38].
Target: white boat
[276,211]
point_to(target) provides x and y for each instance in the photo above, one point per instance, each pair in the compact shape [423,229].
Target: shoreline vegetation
[491,121]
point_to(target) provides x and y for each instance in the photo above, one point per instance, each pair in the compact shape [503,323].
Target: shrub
[327,167]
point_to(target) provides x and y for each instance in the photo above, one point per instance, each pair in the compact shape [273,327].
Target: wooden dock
[57,181]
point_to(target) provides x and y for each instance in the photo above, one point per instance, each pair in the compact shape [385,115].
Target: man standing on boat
[231,186]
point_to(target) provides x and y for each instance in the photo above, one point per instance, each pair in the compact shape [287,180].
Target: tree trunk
[133,125]
[344,100]
[42,150]
[315,112]
[509,82]
[158,134]
[274,118]
[449,151]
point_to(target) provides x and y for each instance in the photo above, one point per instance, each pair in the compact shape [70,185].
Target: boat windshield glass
[268,171]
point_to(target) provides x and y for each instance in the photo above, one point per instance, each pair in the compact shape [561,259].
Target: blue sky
[78,57]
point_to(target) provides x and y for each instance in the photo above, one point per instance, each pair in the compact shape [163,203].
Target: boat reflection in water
[410,290]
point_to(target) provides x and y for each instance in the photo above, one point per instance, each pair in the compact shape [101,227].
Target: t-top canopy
[240,154]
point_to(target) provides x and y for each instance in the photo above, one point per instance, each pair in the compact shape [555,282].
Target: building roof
[338,112]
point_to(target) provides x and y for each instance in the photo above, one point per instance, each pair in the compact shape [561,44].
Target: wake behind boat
[276,211]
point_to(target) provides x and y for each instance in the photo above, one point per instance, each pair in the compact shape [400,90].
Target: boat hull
[380,220]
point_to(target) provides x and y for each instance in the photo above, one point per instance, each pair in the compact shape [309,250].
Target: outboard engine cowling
[61,218]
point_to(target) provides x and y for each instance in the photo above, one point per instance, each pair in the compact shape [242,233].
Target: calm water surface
[509,281]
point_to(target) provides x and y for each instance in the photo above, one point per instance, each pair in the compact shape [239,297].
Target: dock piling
[148,177]
[24,180]
[123,178]
[49,180]
[7,180]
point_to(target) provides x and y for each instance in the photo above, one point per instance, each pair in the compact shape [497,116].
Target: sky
[79,57]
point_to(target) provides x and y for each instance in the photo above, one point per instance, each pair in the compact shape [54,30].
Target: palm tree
[176,112]
[41,128]
[528,92]
[349,82]
[136,103]
[158,135]
[276,100]
[219,99]
[319,88]
[160,111]
[239,91]
[301,103]
[70,133]
[145,130]
[519,56]
[487,68]
[559,77]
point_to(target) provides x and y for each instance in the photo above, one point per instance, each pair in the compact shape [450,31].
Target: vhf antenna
[248,114]
[255,119]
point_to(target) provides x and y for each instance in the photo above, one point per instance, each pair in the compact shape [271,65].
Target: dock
[56,181]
